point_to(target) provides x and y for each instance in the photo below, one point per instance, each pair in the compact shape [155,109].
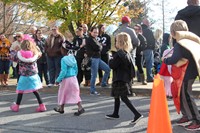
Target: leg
[148,56]
[94,70]
[46,75]
[51,68]
[15,107]
[116,109]
[80,72]
[80,109]
[103,66]
[42,106]
[40,65]
[57,63]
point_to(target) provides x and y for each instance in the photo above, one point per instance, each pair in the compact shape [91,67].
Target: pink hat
[126,19]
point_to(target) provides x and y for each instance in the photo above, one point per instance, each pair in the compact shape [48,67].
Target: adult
[85,30]
[126,21]
[16,45]
[191,15]
[33,30]
[148,51]
[4,59]
[42,61]
[53,50]
[139,52]
[79,44]
[105,40]
[93,50]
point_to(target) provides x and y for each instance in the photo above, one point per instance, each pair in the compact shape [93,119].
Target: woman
[139,54]
[93,50]
[123,71]
[4,59]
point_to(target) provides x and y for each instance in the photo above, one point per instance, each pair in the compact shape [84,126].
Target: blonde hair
[123,41]
[29,45]
[158,34]
[178,25]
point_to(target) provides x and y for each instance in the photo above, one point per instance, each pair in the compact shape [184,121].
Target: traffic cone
[159,119]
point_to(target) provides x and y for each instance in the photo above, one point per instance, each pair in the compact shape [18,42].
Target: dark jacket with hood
[93,47]
[191,15]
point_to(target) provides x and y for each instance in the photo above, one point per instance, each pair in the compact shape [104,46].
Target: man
[191,15]
[32,32]
[148,51]
[126,21]
[53,50]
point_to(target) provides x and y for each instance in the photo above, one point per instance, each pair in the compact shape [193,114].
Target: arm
[115,61]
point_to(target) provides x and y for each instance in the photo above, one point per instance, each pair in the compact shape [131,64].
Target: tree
[75,12]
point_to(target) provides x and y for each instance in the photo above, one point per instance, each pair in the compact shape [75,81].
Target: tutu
[27,84]
[69,92]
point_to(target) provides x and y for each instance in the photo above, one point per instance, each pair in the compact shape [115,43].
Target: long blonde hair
[123,41]
[29,45]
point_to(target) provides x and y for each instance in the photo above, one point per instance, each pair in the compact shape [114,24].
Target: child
[123,72]
[29,80]
[186,47]
[69,92]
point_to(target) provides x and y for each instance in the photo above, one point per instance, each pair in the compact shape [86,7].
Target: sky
[171,9]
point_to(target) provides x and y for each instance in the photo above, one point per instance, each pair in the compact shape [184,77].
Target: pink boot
[14,107]
[41,108]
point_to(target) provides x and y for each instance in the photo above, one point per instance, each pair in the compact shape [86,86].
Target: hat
[126,19]
[67,45]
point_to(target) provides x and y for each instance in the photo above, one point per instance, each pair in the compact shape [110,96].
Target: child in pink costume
[29,80]
[69,92]
[168,79]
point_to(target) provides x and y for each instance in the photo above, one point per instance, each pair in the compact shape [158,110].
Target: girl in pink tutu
[29,81]
[69,92]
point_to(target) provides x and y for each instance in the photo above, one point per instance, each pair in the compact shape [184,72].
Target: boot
[41,108]
[6,79]
[14,107]
[143,79]
[87,83]
[2,79]
[98,84]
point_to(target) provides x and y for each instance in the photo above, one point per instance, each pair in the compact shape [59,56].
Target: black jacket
[123,69]
[93,47]
[143,44]
[41,44]
[191,15]
[105,41]
[148,34]
[181,52]
[77,41]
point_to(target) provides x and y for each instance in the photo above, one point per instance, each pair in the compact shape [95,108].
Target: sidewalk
[138,88]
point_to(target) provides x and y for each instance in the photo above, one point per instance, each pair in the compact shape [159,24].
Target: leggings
[20,95]
[128,104]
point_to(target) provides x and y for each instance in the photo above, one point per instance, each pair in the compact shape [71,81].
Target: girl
[29,80]
[123,72]
[69,92]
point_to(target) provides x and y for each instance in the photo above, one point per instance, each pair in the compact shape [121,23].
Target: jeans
[54,65]
[148,57]
[4,66]
[97,63]
[42,69]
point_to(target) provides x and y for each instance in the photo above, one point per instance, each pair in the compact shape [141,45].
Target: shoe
[79,112]
[104,85]
[183,121]
[95,93]
[136,119]
[193,126]
[41,108]
[57,109]
[14,107]
[112,116]
[50,85]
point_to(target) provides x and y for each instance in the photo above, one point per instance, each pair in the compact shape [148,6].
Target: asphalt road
[92,121]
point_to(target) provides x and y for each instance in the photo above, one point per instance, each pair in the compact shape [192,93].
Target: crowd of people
[89,55]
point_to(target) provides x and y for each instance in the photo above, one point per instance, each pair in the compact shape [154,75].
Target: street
[92,121]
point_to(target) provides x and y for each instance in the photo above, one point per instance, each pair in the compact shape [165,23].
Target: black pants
[139,62]
[20,95]
[42,69]
[128,104]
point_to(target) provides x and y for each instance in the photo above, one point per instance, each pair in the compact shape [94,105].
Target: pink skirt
[69,92]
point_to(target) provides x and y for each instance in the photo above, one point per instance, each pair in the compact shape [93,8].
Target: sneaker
[136,119]
[95,93]
[50,85]
[193,126]
[112,116]
[79,112]
[183,121]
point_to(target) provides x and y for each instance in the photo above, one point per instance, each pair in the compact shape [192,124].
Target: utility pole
[163,15]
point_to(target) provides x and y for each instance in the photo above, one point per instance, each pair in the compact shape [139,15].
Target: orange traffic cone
[159,119]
